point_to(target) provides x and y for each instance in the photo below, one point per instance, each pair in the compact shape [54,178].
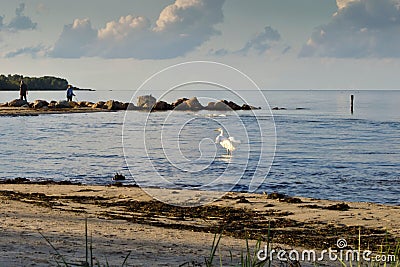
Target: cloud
[33,51]
[360,28]
[20,21]
[179,29]
[76,40]
[262,41]
[344,3]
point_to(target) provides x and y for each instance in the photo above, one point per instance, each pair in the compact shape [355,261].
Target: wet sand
[12,111]
[126,219]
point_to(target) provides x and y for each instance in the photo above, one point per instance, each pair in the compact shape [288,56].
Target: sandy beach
[124,220]
[13,111]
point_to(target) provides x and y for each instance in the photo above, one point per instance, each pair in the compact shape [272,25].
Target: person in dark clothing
[23,90]
[70,93]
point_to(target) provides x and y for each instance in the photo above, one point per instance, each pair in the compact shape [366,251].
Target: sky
[280,44]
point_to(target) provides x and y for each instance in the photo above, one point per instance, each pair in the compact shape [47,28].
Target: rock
[17,103]
[3,105]
[85,104]
[74,104]
[187,104]
[278,108]
[120,105]
[99,104]
[40,104]
[233,105]
[130,106]
[179,101]
[114,105]
[194,104]
[182,106]
[162,106]
[210,106]
[248,107]
[221,106]
[146,101]
[62,104]
[52,104]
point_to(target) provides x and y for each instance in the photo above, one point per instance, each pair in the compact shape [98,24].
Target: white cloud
[76,40]
[180,28]
[360,28]
[344,3]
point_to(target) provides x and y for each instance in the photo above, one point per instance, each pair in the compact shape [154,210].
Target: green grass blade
[126,259]
[58,253]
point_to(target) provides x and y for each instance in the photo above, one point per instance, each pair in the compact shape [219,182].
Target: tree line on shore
[12,82]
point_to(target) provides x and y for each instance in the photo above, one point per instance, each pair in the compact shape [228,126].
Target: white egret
[229,144]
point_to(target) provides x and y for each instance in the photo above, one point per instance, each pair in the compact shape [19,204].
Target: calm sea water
[322,150]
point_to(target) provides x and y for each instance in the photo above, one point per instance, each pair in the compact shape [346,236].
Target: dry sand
[125,219]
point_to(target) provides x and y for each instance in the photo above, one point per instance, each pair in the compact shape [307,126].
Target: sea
[301,143]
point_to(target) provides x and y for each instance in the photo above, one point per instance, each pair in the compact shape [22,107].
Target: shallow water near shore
[322,151]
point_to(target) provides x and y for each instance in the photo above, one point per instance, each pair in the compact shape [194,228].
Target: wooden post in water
[352,104]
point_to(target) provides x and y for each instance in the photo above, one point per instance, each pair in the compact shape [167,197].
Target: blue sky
[280,44]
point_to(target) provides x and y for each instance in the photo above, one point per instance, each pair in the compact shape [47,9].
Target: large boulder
[52,104]
[248,107]
[99,104]
[85,104]
[130,106]
[17,103]
[194,104]
[114,105]
[162,106]
[40,104]
[187,104]
[179,102]
[74,104]
[221,105]
[62,104]
[210,106]
[182,106]
[233,105]
[146,101]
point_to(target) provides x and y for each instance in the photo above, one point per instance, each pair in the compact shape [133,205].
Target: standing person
[23,90]
[70,93]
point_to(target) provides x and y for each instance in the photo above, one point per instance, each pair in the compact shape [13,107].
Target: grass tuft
[88,253]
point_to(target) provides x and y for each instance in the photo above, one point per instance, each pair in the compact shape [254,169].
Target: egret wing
[233,140]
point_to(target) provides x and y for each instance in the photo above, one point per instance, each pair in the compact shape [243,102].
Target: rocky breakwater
[144,103]
[193,104]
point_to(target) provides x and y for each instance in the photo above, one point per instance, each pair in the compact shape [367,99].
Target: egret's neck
[221,132]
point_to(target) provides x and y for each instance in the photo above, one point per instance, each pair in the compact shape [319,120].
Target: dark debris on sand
[237,222]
